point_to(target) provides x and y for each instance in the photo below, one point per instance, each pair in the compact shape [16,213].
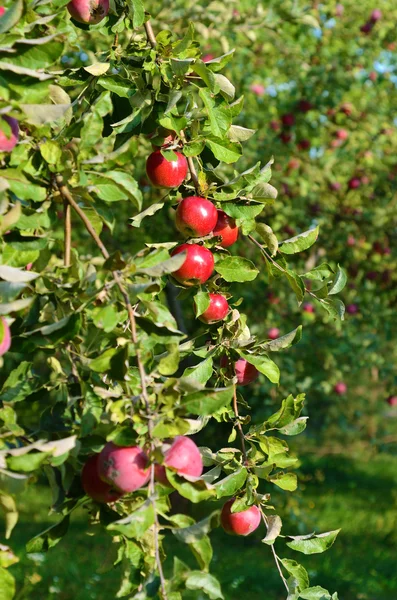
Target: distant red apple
[184,456]
[207,58]
[258,89]
[308,307]
[392,400]
[367,27]
[217,310]
[227,229]
[273,333]
[93,485]
[124,467]
[352,309]
[371,275]
[376,15]
[339,10]
[275,125]
[340,388]
[335,186]
[342,134]
[195,216]
[373,76]
[164,173]
[303,144]
[2,11]
[273,299]
[240,523]
[288,120]
[304,106]
[354,183]
[198,265]
[8,141]
[293,164]
[5,336]
[285,137]
[351,241]
[89,12]
[246,373]
[347,108]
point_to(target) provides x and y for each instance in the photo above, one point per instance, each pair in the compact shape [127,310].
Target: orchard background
[285,113]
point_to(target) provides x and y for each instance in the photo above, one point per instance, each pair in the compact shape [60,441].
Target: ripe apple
[275,125]
[207,58]
[373,76]
[184,456]
[304,106]
[124,467]
[308,307]
[5,336]
[240,523]
[227,229]
[195,216]
[285,137]
[2,11]
[303,144]
[273,333]
[342,134]
[246,373]
[352,309]
[340,388]
[8,143]
[367,27]
[288,120]
[351,240]
[217,309]
[376,15]
[293,164]
[93,485]
[166,173]
[354,183]
[392,400]
[89,12]
[347,108]
[258,89]
[198,265]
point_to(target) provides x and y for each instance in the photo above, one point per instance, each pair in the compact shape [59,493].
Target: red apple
[304,106]
[9,141]
[207,58]
[89,12]
[93,486]
[124,467]
[373,76]
[288,120]
[2,11]
[354,183]
[335,186]
[165,173]
[217,310]
[376,15]
[308,307]
[246,373]
[240,523]
[273,333]
[347,108]
[367,27]
[352,309]
[340,388]
[5,336]
[351,240]
[303,144]
[342,134]
[392,400]
[258,89]
[198,265]
[285,137]
[195,216]
[275,125]
[339,9]
[227,229]
[293,164]
[184,456]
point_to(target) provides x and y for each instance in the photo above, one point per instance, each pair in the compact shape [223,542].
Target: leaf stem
[239,426]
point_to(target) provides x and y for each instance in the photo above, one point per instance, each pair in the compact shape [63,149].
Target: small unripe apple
[166,173]
[124,467]
[342,134]
[354,183]
[392,400]
[89,12]
[5,336]
[198,265]
[240,523]
[93,485]
[8,142]
[288,120]
[273,333]
[340,388]
[217,309]
[376,15]
[227,229]
[352,309]
[308,307]
[195,216]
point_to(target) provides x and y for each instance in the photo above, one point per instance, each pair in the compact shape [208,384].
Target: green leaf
[224,150]
[231,484]
[206,583]
[315,593]
[165,267]
[7,504]
[320,273]
[339,281]
[274,525]
[285,341]
[11,16]
[207,402]
[299,576]
[137,523]
[48,538]
[334,307]
[51,152]
[267,235]
[300,242]
[201,302]
[201,373]
[22,187]
[236,268]
[314,544]
[40,114]
[138,12]
[295,427]
[237,133]
[264,365]
[285,481]
[7,585]
[196,492]
[196,531]
[296,284]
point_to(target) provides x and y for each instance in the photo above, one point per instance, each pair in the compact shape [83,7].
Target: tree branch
[67,232]
[239,426]
[150,34]
[276,558]
[190,162]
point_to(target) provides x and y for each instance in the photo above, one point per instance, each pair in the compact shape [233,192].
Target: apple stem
[67,211]
[239,426]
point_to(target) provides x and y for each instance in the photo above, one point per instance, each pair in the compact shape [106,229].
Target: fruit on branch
[304,144]
[240,523]
[89,12]
[198,265]
[227,229]
[376,15]
[273,333]
[335,186]
[9,141]
[93,485]
[340,388]
[5,336]
[183,456]
[354,183]
[217,309]
[285,137]
[245,372]
[352,309]
[207,58]
[166,173]
[288,120]
[304,106]
[308,307]
[367,27]
[195,216]
[124,467]
[342,134]
[392,400]
[2,11]
[258,89]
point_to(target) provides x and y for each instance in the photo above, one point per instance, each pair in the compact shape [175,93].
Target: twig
[276,558]
[67,232]
[150,34]
[192,168]
[239,426]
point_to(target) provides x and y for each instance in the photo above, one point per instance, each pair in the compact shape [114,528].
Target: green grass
[357,494]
